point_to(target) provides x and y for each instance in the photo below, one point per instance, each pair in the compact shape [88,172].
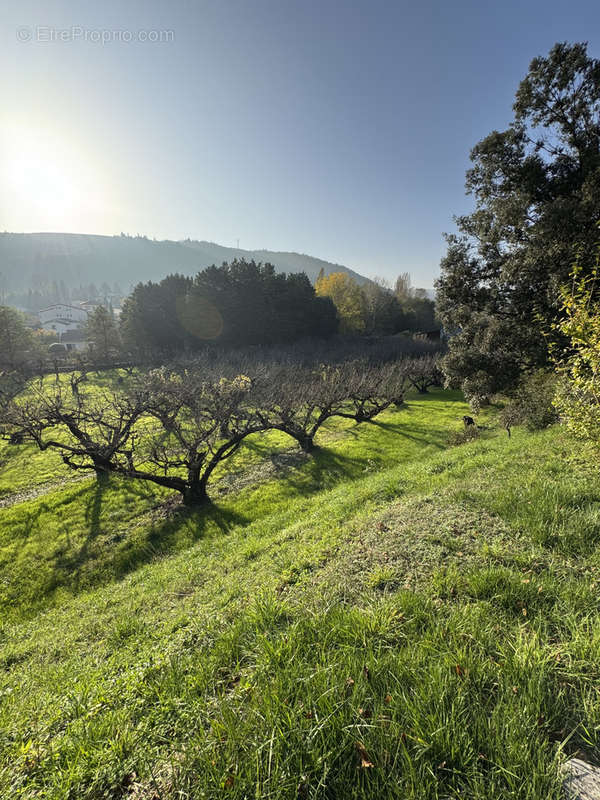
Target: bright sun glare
[47,179]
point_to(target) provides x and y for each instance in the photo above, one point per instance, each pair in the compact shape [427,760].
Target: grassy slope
[431,612]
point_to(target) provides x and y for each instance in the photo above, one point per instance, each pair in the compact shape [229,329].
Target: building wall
[61,317]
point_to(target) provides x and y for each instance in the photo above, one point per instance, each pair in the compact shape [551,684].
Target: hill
[391,618]
[30,260]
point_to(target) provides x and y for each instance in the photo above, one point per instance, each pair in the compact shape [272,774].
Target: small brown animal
[469,421]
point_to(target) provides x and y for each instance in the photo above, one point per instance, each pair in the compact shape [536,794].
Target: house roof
[62,305]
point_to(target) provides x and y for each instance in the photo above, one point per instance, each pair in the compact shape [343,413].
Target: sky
[336,128]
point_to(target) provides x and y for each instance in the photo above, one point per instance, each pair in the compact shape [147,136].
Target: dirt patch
[169,508]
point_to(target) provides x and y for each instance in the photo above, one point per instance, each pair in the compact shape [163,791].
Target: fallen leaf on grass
[365,761]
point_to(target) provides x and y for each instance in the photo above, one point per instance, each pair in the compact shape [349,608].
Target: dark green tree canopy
[101,332]
[15,337]
[536,187]
[235,304]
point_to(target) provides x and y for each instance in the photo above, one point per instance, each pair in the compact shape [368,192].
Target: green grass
[389,618]
[93,532]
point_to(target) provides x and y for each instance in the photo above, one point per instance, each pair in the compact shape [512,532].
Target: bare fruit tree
[175,426]
[299,401]
[372,388]
[92,428]
[167,429]
[424,372]
[202,422]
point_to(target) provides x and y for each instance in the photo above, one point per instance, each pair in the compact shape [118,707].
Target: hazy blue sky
[338,129]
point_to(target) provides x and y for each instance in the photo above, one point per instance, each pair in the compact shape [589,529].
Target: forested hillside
[36,261]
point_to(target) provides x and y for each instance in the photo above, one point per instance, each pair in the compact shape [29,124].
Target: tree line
[234,305]
[377,308]
[248,303]
[175,425]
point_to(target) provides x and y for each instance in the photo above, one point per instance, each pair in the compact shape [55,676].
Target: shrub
[577,398]
[532,403]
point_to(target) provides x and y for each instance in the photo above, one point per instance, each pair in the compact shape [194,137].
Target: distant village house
[68,322]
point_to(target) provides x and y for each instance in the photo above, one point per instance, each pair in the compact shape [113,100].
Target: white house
[62,317]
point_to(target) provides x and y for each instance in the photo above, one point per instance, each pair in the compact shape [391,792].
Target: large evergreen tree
[149,318]
[102,333]
[234,304]
[537,199]
[15,338]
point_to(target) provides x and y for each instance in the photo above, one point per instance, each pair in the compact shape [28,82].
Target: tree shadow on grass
[161,527]
[324,470]
[257,445]
[400,430]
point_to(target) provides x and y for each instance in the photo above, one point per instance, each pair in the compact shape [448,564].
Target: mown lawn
[390,618]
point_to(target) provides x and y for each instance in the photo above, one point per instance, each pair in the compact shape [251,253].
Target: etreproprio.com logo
[77,33]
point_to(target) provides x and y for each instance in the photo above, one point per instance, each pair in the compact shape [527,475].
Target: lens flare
[199,316]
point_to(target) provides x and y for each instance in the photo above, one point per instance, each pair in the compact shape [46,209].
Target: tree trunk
[306,443]
[305,440]
[101,468]
[195,495]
